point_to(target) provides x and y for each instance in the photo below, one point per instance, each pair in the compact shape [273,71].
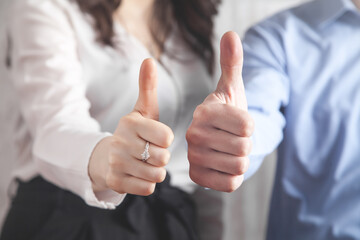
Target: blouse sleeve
[47,76]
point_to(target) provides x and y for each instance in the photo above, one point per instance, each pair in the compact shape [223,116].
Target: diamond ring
[146,155]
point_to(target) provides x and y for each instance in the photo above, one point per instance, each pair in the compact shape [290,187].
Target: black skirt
[40,210]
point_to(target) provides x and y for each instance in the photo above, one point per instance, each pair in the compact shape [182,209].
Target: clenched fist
[219,136]
[117,162]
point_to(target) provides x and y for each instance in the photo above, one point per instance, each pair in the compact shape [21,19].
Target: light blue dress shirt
[302,77]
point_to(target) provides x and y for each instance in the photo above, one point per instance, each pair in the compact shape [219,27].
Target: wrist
[98,165]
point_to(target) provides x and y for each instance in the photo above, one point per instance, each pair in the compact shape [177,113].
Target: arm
[48,77]
[221,133]
[267,89]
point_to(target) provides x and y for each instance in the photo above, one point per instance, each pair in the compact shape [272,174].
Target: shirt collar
[328,11]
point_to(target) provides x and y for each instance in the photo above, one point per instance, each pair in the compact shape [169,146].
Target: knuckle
[247,164]
[248,127]
[164,158]
[160,176]
[239,151]
[166,136]
[198,112]
[189,134]
[111,182]
[195,176]
[148,189]
[239,166]
[115,162]
[112,161]
[232,184]
[247,145]
[202,112]
[250,146]
[194,157]
[114,143]
[169,137]
[244,148]
[194,136]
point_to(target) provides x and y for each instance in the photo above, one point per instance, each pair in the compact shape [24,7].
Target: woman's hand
[219,136]
[117,163]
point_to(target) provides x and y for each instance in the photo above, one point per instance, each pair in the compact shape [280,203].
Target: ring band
[146,155]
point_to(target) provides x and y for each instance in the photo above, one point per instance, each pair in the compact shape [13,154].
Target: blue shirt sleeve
[267,89]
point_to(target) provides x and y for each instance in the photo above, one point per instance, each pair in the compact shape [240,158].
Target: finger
[228,143]
[226,117]
[220,141]
[147,104]
[159,157]
[131,185]
[231,58]
[154,132]
[146,171]
[219,161]
[230,86]
[139,169]
[134,146]
[214,179]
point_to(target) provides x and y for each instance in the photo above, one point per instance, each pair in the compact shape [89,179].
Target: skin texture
[116,160]
[219,136]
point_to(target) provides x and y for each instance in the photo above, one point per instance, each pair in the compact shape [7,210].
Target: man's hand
[219,136]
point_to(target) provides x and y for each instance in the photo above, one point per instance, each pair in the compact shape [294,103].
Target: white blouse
[72,91]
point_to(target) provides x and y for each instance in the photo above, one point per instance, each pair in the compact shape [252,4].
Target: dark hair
[194,19]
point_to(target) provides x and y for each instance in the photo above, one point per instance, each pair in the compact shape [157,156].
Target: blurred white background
[246,210]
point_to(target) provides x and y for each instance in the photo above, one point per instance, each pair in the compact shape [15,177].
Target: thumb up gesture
[219,136]
[133,159]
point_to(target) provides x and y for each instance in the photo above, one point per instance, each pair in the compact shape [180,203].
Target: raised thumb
[147,103]
[231,85]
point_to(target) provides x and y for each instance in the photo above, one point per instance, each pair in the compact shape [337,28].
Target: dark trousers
[40,210]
